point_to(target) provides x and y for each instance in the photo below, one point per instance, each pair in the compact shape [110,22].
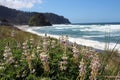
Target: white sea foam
[81,41]
[94,44]
[74,29]
[93,36]
[59,28]
[67,26]
[101,28]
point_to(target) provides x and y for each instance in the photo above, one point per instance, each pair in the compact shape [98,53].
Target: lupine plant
[63,63]
[75,53]
[82,70]
[95,65]
[44,58]
[8,55]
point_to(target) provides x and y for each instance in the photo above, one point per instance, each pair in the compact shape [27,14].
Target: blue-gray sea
[95,34]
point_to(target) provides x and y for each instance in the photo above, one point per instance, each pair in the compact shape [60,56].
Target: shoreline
[98,46]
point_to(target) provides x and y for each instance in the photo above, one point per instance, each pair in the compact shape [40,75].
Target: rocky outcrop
[39,20]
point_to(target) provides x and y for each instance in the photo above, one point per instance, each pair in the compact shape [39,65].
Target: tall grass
[110,60]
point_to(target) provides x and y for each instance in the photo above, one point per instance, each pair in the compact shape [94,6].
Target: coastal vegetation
[22,18]
[26,56]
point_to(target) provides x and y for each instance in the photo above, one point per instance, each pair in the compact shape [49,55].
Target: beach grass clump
[26,56]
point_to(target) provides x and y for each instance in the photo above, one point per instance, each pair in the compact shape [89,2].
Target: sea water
[94,35]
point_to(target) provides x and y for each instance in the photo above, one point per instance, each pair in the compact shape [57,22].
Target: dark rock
[5,22]
[39,20]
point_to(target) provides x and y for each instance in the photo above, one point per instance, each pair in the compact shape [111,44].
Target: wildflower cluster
[28,56]
[26,50]
[63,63]
[31,42]
[95,65]
[82,70]
[45,43]
[75,53]
[8,55]
[63,40]
[44,59]
[53,43]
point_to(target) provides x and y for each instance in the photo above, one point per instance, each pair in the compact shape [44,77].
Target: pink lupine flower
[75,54]
[38,49]
[53,43]
[45,46]
[26,50]
[63,63]
[8,55]
[95,65]
[64,40]
[31,42]
[44,58]
[82,70]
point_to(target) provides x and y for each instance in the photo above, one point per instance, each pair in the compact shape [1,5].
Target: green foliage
[19,69]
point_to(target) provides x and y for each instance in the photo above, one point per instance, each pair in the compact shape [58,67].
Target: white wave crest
[100,28]
[81,41]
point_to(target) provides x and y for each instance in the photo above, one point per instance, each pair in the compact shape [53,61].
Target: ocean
[92,35]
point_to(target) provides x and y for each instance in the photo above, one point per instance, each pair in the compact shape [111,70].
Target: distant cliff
[56,19]
[22,18]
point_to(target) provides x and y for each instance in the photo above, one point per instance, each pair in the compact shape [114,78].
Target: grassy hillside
[26,56]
